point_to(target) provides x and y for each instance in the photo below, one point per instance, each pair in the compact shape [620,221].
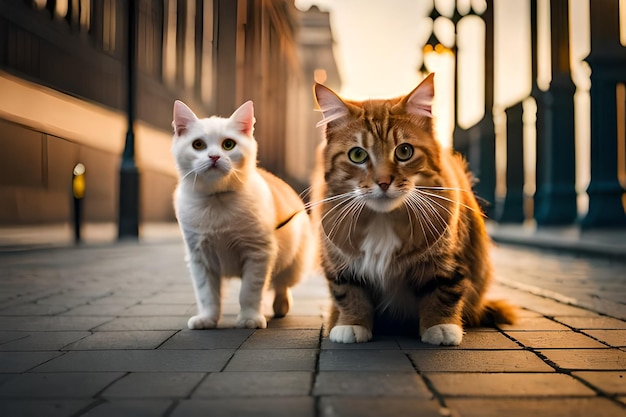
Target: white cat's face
[213,151]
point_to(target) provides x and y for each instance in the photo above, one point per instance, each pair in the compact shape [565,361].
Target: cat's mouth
[384,203]
[215,167]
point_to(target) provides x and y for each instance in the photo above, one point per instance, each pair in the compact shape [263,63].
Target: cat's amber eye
[357,155]
[404,152]
[198,144]
[228,144]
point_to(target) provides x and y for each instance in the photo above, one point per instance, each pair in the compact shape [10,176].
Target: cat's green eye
[198,144]
[228,144]
[404,152]
[357,155]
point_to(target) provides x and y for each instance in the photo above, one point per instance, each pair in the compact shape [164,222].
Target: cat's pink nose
[385,182]
[214,158]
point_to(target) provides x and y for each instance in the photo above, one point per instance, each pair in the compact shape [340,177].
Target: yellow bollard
[78,193]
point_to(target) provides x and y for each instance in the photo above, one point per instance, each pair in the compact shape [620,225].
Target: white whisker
[341,216]
[424,204]
[449,200]
[330,199]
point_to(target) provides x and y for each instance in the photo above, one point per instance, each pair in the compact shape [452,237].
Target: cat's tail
[498,312]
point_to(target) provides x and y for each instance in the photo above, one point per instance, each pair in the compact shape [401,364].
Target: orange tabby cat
[402,235]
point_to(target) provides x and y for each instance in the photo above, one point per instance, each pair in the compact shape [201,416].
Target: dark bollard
[78,193]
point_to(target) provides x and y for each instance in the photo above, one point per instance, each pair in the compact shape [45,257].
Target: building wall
[63,95]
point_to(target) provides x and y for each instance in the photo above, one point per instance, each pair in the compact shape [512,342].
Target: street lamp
[459,136]
[128,226]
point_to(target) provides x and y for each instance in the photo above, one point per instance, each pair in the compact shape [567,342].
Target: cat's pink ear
[183,117]
[419,101]
[331,106]
[244,118]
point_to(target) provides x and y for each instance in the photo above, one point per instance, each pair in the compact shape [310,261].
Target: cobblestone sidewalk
[101,331]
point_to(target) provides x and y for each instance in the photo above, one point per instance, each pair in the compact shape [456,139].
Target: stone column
[511,208]
[555,196]
[482,152]
[608,67]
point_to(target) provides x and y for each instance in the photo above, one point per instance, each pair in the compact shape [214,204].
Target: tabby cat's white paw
[200,322]
[443,334]
[350,334]
[251,320]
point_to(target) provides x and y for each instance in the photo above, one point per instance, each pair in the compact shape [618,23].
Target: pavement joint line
[195,388]
[575,330]
[235,350]
[436,395]
[168,338]
[99,393]
[171,408]
[560,370]
[599,392]
[550,295]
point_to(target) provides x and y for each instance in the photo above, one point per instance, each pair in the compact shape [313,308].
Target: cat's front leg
[440,312]
[207,288]
[352,318]
[253,280]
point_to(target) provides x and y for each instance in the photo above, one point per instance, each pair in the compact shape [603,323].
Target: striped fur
[402,235]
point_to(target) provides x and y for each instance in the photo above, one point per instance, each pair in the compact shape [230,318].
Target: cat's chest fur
[226,219]
[378,249]
[209,216]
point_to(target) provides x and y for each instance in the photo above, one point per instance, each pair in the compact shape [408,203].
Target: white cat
[237,220]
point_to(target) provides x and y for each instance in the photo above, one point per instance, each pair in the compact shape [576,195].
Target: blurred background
[530,91]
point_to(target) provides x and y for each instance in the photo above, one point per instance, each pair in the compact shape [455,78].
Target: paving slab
[139,361]
[612,383]
[52,323]
[507,385]
[370,384]
[257,407]
[273,360]
[364,360]
[58,385]
[555,339]
[42,341]
[283,339]
[548,407]
[33,309]
[255,384]
[587,359]
[165,385]
[158,310]
[140,339]
[129,408]
[91,309]
[594,322]
[478,361]
[208,339]
[145,323]
[11,336]
[524,324]
[11,362]
[616,338]
[379,407]
[39,408]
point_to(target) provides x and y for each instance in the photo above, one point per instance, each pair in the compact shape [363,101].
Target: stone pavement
[100,330]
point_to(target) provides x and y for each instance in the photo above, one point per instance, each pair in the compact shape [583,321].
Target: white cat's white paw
[200,322]
[350,334]
[443,334]
[251,320]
